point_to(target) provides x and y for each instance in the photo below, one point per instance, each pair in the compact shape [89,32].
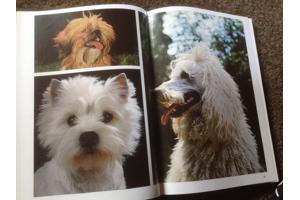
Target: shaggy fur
[85,42]
[70,109]
[214,139]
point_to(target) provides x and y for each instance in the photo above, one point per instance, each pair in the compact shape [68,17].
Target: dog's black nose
[89,140]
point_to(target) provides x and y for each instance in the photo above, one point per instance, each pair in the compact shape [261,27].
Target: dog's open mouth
[177,109]
[95,40]
[89,150]
[95,43]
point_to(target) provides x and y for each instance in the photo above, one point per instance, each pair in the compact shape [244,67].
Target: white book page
[29,78]
[163,24]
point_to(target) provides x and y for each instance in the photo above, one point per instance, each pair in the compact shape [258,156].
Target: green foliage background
[178,32]
[123,59]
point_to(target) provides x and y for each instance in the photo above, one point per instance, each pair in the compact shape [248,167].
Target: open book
[117,102]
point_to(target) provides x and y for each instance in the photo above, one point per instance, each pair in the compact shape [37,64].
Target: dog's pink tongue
[97,44]
[166,116]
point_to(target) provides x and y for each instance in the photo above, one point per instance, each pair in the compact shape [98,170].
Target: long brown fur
[72,40]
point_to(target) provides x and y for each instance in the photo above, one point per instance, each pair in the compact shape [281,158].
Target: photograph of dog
[85,42]
[206,112]
[92,38]
[203,101]
[92,130]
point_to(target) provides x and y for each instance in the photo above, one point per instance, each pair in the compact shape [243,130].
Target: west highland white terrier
[88,126]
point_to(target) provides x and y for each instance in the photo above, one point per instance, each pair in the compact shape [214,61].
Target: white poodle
[214,139]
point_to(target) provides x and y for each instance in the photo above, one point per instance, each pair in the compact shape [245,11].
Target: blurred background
[177,32]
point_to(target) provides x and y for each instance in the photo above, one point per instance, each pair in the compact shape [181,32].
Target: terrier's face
[86,123]
[182,91]
[84,41]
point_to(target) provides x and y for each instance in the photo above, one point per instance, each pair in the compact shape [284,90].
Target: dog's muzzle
[95,40]
[177,109]
[89,141]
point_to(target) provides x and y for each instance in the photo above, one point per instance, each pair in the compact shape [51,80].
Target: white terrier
[88,126]
[214,139]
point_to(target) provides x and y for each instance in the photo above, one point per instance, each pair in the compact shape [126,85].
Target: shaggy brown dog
[85,42]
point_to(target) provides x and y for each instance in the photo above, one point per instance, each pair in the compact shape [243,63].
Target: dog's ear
[109,37]
[63,43]
[119,84]
[61,39]
[54,89]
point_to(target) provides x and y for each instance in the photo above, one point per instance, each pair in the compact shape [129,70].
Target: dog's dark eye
[107,117]
[184,75]
[72,120]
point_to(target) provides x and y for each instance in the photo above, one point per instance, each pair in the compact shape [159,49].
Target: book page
[211,116]
[82,105]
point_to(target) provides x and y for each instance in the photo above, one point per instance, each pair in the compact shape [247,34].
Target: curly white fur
[87,98]
[214,139]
